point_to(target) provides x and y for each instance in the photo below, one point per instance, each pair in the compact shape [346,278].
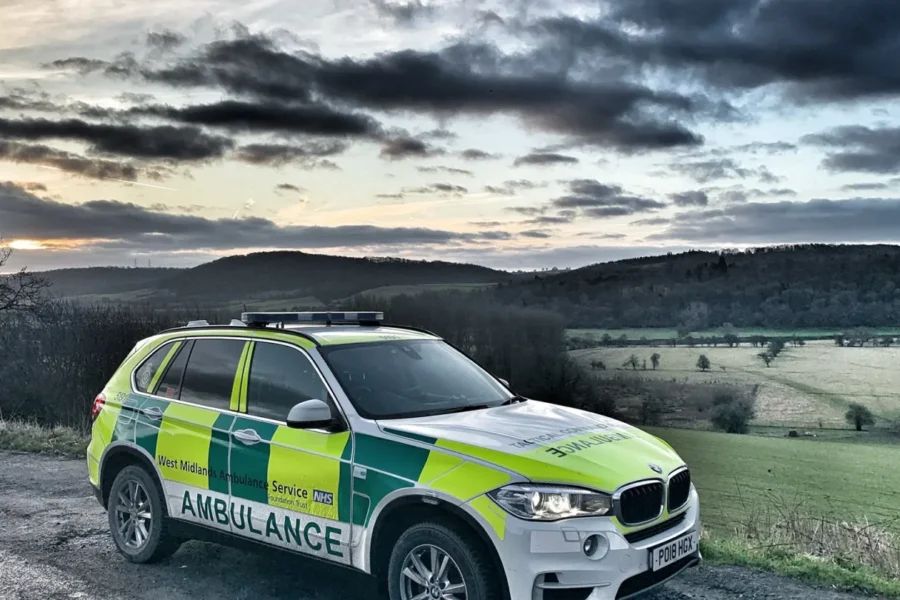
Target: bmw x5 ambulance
[387,450]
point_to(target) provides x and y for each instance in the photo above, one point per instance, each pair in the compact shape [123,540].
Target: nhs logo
[323,497]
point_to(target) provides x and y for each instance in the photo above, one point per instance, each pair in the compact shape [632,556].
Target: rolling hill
[299,277]
[781,287]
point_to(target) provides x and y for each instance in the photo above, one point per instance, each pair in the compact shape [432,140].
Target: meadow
[664,333]
[739,476]
[807,387]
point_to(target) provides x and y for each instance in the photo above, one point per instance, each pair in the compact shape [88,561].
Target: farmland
[737,475]
[807,386]
[666,333]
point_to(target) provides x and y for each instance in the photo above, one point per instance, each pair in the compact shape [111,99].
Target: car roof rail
[280,319]
[198,323]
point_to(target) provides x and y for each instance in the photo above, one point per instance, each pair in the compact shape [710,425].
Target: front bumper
[545,561]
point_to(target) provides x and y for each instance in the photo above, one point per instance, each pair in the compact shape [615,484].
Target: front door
[292,486]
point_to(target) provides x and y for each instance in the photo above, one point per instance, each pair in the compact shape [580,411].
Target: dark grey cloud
[822,221]
[308,155]
[289,187]
[154,142]
[536,234]
[601,236]
[771,148]
[91,167]
[131,227]
[80,64]
[865,186]
[691,198]
[464,78]
[595,199]
[402,148]
[486,223]
[856,148]
[561,218]
[716,169]
[545,159]
[448,170]
[475,154]
[441,189]
[652,221]
[813,49]
[397,196]
[511,186]
[312,118]
[166,40]
[528,211]
[403,12]
[29,186]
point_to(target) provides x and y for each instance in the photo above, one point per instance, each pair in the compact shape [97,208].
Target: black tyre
[435,559]
[138,517]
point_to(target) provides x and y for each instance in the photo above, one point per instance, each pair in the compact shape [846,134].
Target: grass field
[805,386]
[653,333]
[841,481]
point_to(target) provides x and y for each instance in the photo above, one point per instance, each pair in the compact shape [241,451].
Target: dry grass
[805,387]
[20,436]
[775,521]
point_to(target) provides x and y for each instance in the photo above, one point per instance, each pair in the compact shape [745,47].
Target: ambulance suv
[387,450]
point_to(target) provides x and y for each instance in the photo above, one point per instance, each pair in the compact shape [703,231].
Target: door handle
[153,412]
[247,436]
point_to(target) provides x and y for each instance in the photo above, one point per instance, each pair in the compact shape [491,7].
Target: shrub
[732,414]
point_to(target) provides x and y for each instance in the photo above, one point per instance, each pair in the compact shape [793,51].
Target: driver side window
[281,377]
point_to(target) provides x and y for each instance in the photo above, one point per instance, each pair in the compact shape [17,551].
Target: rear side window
[209,377]
[281,377]
[147,373]
[170,383]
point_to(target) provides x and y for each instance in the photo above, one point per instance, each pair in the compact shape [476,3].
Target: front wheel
[432,561]
[137,517]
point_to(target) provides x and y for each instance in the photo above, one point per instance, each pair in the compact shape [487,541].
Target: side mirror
[310,414]
[504,382]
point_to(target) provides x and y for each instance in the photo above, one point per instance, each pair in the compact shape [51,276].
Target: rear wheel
[137,517]
[432,561]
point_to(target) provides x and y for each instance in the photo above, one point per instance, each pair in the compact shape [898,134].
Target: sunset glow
[26,245]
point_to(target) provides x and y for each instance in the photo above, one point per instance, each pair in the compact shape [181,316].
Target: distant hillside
[784,287]
[103,280]
[264,276]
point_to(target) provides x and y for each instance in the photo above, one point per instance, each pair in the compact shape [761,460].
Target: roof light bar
[327,318]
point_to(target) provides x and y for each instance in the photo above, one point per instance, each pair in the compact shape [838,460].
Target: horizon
[513,135]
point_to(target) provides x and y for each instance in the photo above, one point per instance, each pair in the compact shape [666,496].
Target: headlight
[550,503]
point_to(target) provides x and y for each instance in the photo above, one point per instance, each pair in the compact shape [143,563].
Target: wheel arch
[403,512]
[119,455]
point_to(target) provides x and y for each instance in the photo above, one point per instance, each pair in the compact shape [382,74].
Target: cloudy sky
[510,133]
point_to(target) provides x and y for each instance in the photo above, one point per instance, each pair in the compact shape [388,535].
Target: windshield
[411,378]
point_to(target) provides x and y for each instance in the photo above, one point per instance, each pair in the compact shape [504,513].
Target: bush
[732,414]
[651,411]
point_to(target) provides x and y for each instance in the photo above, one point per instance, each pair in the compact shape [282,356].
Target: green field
[736,475]
[656,333]
[805,387]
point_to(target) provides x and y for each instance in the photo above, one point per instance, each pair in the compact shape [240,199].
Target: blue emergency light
[325,318]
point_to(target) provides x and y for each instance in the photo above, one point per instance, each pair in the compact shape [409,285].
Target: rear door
[293,485]
[192,445]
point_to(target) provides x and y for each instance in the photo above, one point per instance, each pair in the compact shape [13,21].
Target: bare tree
[19,291]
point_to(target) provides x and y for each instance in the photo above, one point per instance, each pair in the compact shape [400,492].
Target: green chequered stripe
[146,430]
[124,429]
[398,466]
[346,504]
[250,463]
[218,453]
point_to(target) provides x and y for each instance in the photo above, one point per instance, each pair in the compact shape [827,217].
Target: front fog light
[595,546]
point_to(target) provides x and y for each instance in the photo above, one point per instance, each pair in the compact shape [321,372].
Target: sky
[516,134]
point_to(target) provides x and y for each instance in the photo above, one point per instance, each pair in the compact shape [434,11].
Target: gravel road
[54,545]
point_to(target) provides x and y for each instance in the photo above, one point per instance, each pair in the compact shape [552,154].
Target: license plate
[674,551]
